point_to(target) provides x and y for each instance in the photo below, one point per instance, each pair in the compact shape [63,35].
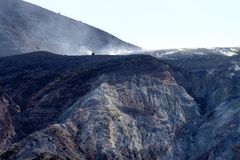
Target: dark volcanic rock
[110,107]
[183,106]
[213,80]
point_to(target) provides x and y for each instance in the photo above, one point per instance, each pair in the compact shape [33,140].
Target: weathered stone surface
[213,80]
[8,114]
[123,107]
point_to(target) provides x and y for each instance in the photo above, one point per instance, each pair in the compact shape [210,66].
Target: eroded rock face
[147,126]
[127,107]
[8,115]
[213,80]
[109,123]
[123,107]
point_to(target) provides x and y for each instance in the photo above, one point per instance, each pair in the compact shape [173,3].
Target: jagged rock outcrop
[213,80]
[125,107]
[8,115]
[180,106]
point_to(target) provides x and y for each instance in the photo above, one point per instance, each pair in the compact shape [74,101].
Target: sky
[158,24]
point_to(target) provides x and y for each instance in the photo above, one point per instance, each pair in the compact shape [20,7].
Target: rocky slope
[100,107]
[212,78]
[179,106]
[26,28]
[9,113]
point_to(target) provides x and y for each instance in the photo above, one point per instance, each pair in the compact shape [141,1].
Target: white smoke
[85,51]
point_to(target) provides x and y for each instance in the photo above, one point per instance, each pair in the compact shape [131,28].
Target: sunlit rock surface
[122,107]
[213,80]
[8,116]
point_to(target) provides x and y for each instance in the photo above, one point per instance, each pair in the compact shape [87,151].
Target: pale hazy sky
[155,24]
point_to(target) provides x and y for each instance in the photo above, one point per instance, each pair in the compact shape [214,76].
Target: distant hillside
[25,27]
